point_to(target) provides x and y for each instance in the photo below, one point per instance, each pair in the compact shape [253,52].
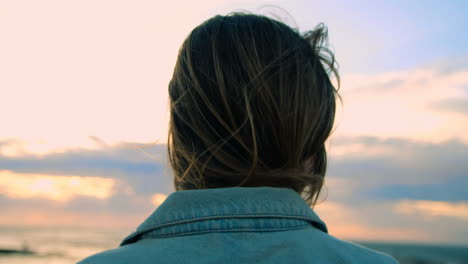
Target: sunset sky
[84,112]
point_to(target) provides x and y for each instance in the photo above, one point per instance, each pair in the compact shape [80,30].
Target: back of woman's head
[251,104]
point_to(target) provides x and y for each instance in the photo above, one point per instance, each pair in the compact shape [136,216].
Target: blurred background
[84,120]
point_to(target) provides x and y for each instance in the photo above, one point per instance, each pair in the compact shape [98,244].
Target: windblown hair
[252,104]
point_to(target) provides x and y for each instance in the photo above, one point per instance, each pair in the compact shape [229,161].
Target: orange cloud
[433,208]
[53,187]
[57,217]
[346,223]
[362,232]
[158,199]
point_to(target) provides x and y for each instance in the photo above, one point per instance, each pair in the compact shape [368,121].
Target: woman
[251,105]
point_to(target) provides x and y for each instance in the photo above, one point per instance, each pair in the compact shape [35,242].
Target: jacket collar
[232,202]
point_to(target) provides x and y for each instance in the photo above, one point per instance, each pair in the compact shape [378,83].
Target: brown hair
[251,104]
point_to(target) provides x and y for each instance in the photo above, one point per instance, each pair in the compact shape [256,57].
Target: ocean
[65,245]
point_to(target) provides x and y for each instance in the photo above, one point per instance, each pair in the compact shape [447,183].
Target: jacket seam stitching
[224,230]
[158,226]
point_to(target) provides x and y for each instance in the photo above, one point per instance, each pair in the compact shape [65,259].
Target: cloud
[367,179]
[360,168]
[53,217]
[397,168]
[423,191]
[455,105]
[57,188]
[433,208]
[417,104]
[143,166]
[364,222]
[378,220]
[449,65]
[158,199]
[396,189]
[114,183]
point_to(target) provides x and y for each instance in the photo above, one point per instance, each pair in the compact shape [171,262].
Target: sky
[84,112]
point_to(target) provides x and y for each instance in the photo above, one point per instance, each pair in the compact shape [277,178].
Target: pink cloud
[433,208]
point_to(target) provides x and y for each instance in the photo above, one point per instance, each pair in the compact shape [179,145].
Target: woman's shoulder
[303,244]
[351,252]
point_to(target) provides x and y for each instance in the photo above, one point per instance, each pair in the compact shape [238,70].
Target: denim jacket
[235,225]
